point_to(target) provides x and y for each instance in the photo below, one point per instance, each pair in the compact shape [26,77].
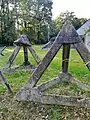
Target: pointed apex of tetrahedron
[23,40]
[68,34]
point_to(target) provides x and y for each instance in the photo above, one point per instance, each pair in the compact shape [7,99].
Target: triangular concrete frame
[2,78]
[5,82]
[31,92]
[22,42]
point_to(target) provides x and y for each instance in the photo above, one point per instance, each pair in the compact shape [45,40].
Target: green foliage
[7,32]
[60,20]
[33,18]
[30,17]
[36,16]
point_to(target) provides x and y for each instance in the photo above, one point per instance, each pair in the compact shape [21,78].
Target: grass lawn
[14,110]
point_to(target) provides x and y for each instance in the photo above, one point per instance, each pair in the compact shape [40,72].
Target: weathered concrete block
[30,91]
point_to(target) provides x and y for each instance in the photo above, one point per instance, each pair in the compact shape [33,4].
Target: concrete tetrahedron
[23,42]
[33,92]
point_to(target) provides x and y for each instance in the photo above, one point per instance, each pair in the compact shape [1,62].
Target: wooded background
[33,18]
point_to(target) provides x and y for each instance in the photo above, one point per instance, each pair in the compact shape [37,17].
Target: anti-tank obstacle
[33,92]
[23,41]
